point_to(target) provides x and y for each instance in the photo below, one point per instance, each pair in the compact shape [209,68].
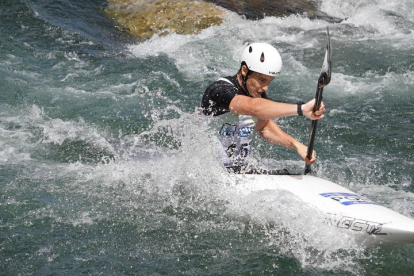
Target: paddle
[324,79]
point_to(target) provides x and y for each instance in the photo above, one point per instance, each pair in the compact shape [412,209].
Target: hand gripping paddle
[324,79]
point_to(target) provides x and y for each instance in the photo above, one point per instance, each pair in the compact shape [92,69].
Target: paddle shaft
[314,124]
[324,80]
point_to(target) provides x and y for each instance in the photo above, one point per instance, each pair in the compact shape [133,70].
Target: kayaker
[237,106]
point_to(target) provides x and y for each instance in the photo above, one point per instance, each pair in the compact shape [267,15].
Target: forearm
[272,133]
[267,110]
[262,108]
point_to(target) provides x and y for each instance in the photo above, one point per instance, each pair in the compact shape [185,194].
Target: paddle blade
[325,76]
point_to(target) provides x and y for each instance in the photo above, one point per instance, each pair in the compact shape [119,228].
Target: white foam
[56,131]
[151,177]
[12,155]
[348,8]
[15,135]
[32,126]
[389,19]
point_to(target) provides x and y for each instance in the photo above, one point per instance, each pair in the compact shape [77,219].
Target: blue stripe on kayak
[338,194]
[357,202]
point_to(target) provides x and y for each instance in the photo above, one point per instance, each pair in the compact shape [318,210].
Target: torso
[235,133]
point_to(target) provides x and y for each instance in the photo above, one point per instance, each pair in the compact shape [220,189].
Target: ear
[244,70]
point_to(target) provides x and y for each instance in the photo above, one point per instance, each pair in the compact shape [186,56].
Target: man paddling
[237,106]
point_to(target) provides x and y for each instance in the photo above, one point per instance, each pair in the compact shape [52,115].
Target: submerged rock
[145,18]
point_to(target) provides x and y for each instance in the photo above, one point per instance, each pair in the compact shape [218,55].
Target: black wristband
[300,113]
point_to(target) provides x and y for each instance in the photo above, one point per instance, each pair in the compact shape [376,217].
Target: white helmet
[262,58]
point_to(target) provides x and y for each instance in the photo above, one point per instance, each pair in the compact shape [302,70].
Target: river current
[106,170]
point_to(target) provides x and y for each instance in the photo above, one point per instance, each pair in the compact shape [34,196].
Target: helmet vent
[250,49]
[262,57]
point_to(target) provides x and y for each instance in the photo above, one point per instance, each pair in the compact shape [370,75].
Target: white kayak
[340,206]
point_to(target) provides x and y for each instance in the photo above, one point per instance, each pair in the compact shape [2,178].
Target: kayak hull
[340,206]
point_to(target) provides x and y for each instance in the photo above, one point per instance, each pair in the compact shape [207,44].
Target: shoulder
[217,97]
[222,84]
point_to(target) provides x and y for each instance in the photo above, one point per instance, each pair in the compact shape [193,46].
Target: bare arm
[266,109]
[272,133]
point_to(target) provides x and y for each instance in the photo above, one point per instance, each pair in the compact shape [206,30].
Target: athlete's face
[257,84]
